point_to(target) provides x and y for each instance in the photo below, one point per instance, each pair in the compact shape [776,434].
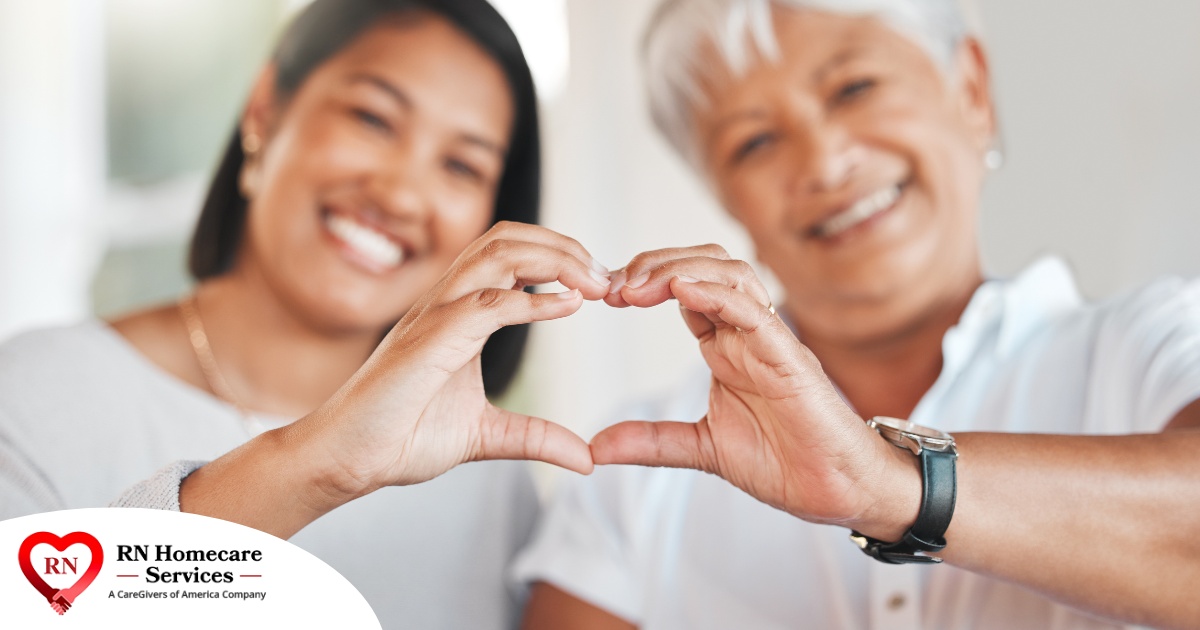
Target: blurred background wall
[112,114]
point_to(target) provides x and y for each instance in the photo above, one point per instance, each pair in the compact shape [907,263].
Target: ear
[258,120]
[974,93]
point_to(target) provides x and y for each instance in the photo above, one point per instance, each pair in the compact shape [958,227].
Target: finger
[646,262]
[479,314]
[616,283]
[507,264]
[514,231]
[654,287]
[670,444]
[447,336]
[699,324]
[767,337]
[508,435]
[722,303]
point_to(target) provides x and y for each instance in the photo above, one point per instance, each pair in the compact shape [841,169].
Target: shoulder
[1043,305]
[49,375]
[52,378]
[1153,334]
[1124,331]
[1155,309]
[54,348]
[1142,349]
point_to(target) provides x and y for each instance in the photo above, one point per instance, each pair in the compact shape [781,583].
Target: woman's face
[856,166]
[376,174]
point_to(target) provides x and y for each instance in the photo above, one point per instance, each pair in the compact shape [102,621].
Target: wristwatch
[938,454]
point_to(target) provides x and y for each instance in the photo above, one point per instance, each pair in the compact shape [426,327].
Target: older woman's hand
[775,427]
[417,407]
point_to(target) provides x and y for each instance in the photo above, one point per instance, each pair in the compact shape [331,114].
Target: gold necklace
[190,314]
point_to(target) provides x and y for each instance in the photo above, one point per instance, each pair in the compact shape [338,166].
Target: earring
[251,143]
[247,183]
[993,159]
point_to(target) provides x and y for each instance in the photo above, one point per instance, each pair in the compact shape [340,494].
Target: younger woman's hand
[417,408]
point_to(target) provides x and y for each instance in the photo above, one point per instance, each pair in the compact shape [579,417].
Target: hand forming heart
[776,427]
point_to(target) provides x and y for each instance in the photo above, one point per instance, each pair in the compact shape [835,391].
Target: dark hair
[318,33]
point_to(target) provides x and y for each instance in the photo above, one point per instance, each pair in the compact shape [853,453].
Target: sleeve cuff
[160,492]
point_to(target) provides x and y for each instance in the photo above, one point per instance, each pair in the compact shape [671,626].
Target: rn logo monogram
[59,569]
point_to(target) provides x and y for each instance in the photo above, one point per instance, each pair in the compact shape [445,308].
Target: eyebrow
[752,114]
[839,59]
[407,103]
[381,83]
[819,75]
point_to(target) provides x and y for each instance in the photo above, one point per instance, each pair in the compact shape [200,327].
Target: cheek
[318,147]
[458,222]
[943,148]
[955,177]
[755,196]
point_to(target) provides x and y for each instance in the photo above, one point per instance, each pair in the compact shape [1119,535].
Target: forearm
[278,482]
[1106,524]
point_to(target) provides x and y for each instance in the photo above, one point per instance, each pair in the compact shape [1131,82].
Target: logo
[60,568]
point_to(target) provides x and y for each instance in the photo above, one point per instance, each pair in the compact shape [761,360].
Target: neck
[888,375]
[273,361]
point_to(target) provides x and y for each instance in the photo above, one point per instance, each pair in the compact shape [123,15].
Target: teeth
[368,242]
[864,209]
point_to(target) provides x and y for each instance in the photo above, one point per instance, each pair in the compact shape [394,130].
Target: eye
[460,168]
[752,145]
[371,120]
[853,90]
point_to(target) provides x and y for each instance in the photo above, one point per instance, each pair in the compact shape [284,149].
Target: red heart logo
[61,600]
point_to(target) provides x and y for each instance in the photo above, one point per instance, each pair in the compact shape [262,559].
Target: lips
[368,246]
[858,213]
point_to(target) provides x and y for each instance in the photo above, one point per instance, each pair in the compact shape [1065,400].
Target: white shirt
[83,416]
[676,549]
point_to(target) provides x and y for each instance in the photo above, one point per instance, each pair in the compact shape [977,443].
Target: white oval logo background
[287,587]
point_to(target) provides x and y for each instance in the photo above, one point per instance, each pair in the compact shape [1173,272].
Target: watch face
[905,426]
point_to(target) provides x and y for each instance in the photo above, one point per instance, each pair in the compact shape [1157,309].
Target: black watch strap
[938,495]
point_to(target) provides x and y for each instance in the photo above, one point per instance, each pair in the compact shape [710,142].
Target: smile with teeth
[367,242]
[862,210]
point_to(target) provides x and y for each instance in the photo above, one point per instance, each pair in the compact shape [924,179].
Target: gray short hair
[738,28]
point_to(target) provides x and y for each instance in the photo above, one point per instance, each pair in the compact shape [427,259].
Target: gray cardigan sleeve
[161,491]
[24,489]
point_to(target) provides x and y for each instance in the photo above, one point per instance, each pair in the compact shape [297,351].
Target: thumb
[670,444]
[508,435]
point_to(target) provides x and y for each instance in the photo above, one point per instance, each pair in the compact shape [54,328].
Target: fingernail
[687,279]
[618,281]
[600,269]
[568,295]
[638,281]
[600,280]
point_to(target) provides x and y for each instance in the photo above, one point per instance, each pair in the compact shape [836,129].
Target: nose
[400,186]
[826,156]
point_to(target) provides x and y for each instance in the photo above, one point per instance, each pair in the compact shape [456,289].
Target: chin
[870,300]
[339,315]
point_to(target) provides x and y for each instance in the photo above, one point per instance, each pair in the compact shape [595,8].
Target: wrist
[936,455]
[272,483]
[895,492]
[324,482]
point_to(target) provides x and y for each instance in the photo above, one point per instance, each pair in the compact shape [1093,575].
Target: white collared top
[677,549]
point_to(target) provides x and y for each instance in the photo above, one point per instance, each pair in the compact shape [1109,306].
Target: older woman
[851,139]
